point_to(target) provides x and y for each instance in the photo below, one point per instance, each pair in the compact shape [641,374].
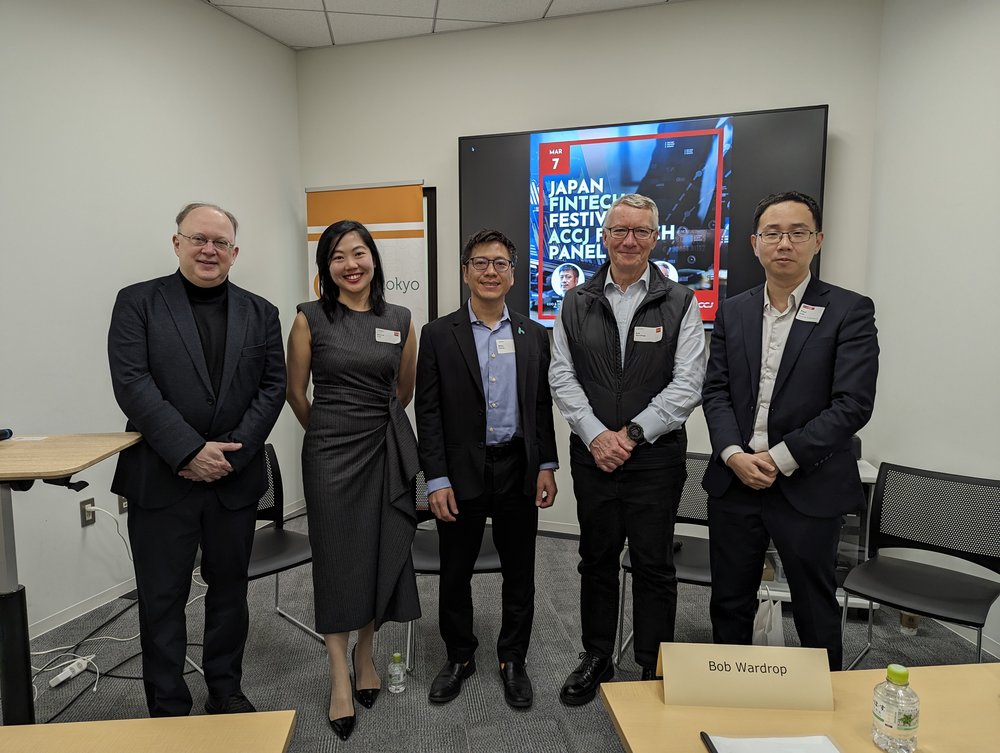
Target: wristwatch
[635,432]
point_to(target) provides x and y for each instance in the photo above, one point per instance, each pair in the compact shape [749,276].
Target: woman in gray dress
[359,457]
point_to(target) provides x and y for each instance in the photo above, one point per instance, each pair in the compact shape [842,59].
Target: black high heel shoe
[366,696]
[343,726]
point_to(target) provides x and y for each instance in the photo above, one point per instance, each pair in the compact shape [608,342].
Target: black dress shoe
[516,685]
[581,686]
[649,673]
[343,726]
[366,696]
[237,703]
[448,683]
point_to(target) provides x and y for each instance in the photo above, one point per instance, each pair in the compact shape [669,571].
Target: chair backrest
[271,505]
[938,512]
[694,500]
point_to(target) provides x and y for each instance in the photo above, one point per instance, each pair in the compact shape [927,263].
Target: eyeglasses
[481,264]
[199,241]
[771,237]
[640,233]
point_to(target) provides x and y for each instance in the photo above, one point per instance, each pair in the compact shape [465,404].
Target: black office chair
[691,559]
[427,557]
[275,549]
[953,515]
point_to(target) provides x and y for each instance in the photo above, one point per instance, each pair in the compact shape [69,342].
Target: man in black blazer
[197,366]
[791,378]
[487,448]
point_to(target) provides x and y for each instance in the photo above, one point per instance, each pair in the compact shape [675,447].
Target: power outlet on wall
[122,505]
[87,517]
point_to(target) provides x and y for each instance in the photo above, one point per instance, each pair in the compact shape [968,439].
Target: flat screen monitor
[549,191]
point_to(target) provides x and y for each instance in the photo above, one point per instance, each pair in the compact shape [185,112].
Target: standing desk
[21,463]
[959,713]
[263,732]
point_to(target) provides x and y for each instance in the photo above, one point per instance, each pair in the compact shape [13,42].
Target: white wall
[933,263]
[114,114]
[381,112]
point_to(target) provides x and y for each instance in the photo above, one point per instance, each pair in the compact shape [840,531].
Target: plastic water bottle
[895,712]
[397,674]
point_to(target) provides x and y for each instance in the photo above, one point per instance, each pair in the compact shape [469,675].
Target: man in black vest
[198,367]
[627,368]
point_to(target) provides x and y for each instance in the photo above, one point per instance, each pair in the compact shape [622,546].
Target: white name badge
[505,346]
[648,334]
[757,677]
[387,336]
[809,313]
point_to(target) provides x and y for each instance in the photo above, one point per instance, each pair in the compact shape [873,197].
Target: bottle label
[903,720]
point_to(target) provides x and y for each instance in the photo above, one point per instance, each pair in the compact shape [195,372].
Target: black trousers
[640,505]
[740,525]
[164,544]
[515,524]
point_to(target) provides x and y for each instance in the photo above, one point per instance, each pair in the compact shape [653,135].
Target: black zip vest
[616,394]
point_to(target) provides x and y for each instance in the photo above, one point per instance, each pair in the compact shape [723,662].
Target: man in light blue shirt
[487,447]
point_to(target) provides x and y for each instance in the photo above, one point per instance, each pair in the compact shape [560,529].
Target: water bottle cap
[399,657]
[897,674]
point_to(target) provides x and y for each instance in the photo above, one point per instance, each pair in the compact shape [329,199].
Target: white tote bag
[768,627]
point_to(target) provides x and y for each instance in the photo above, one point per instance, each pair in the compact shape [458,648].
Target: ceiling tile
[280,4]
[411,8]
[576,7]
[449,25]
[352,28]
[490,10]
[295,28]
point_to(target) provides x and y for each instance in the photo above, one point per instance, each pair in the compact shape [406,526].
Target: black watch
[635,432]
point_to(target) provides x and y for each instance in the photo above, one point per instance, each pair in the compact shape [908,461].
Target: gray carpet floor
[284,668]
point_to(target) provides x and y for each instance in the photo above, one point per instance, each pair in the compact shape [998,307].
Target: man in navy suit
[488,449]
[791,377]
[197,366]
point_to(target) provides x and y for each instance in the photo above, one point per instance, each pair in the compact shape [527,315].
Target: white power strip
[71,670]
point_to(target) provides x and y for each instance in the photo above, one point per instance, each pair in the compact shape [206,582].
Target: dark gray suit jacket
[451,406]
[161,382]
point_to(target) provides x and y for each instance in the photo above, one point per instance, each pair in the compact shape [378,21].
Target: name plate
[756,677]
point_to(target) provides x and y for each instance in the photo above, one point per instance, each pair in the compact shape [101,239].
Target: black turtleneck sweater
[210,307]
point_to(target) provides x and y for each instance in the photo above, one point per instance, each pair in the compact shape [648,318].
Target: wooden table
[21,459]
[264,732]
[959,713]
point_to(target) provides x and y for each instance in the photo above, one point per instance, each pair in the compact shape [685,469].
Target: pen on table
[708,742]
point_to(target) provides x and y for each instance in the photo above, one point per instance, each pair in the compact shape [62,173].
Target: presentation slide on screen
[576,175]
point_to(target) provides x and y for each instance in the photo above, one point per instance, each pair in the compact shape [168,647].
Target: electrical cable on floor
[89,635]
[85,688]
[75,646]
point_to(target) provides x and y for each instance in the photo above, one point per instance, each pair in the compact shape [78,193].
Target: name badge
[809,313]
[505,346]
[648,334]
[387,336]
[755,677]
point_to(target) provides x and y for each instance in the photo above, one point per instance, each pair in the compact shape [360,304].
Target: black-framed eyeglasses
[200,240]
[481,264]
[640,233]
[771,237]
